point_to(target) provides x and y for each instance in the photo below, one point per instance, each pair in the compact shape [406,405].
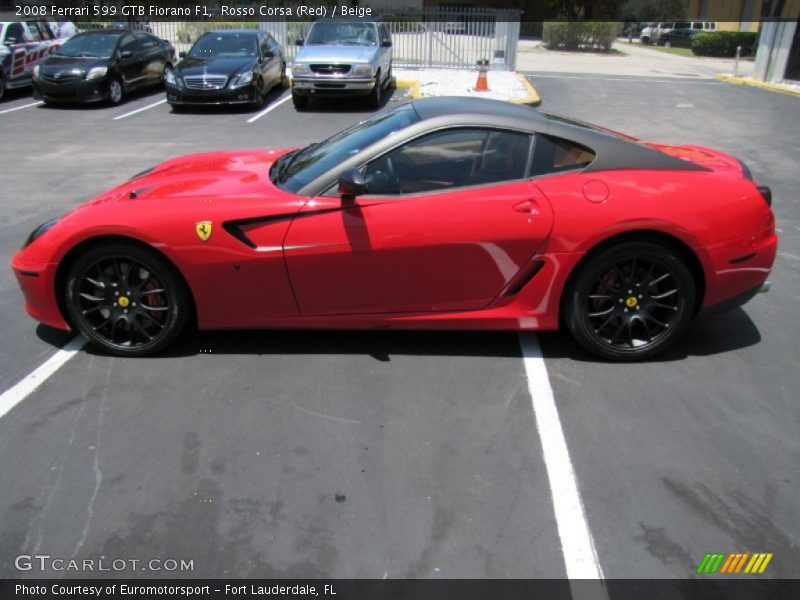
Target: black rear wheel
[127,299]
[631,301]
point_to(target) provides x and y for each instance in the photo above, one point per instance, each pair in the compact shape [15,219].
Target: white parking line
[577,545]
[8,110]
[270,108]
[16,394]
[138,110]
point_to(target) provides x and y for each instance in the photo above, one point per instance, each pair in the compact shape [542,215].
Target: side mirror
[182,54]
[386,44]
[299,41]
[125,54]
[351,184]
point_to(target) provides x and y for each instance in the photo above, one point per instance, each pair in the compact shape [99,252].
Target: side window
[450,159]
[15,32]
[145,41]
[128,44]
[554,155]
[384,33]
[264,44]
[271,43]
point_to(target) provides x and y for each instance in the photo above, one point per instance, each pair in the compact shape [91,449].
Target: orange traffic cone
[482,85]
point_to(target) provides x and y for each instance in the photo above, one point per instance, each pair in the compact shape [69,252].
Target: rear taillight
[766,193]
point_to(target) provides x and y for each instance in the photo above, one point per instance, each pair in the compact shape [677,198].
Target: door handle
[527,206]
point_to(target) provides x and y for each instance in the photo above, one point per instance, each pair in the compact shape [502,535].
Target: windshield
[95,45]
[293,171]
[359,34]
[229,45]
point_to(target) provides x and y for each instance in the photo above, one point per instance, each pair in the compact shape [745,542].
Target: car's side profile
[103,64]
[448,213]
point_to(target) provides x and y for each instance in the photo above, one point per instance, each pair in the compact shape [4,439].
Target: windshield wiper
[280,166]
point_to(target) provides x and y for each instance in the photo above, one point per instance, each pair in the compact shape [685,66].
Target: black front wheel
[375,95]
[300,102]
[115,91]
[630,301]
[127,299]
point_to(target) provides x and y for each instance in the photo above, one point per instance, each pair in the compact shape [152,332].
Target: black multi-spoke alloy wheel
[127,299]
[630,301]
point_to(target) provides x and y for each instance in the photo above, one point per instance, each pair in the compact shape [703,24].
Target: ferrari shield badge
[203,229]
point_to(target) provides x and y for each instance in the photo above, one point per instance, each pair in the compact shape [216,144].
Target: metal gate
[431,38]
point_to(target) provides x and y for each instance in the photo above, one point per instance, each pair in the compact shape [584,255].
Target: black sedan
[104,64]
[238,66]
[680,38]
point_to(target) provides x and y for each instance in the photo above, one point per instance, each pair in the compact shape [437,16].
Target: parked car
[102,64]
[646,33]
[23,45]
[661,29]
[227,67]
[343,58]
[442,213]
[681,38]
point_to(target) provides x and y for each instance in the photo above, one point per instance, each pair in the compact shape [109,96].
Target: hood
[221,66]
[222,175]
[55,63]
[334,53]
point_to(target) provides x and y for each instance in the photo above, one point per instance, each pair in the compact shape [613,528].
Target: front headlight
[171,79]
[36,72]
[39,231]
[96,72]
[242,79]
[300,70]
[363,70]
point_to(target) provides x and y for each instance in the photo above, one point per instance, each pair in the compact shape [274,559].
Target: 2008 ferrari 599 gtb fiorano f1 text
[445,213]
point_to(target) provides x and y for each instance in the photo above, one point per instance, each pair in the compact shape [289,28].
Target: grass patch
[673,50]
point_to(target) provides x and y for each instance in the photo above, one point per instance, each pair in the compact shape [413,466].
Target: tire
[388,83]
[375,96]
[167,69]
[667,44]
[116,92]
[156,302]
[284,82]
[177,108]
[2,87]
[645,40]
[630,302]
[300,102]
[261,95]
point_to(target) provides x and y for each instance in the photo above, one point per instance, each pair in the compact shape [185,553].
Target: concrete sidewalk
[633,60]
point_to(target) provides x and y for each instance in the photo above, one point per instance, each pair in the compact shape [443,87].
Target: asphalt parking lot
[400,455]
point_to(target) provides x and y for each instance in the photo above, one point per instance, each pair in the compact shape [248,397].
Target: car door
[270,60]
[448,220]
[152,58]
[130,63]
[385,51]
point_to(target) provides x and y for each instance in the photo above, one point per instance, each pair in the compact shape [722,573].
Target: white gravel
[503,85]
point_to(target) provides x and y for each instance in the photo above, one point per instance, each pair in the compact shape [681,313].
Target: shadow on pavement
[718,334]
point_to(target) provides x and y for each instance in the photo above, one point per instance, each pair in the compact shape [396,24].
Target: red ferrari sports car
[446,213]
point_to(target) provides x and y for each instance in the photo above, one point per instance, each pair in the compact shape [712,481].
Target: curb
[772,87]
[532,99]
[413,85]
